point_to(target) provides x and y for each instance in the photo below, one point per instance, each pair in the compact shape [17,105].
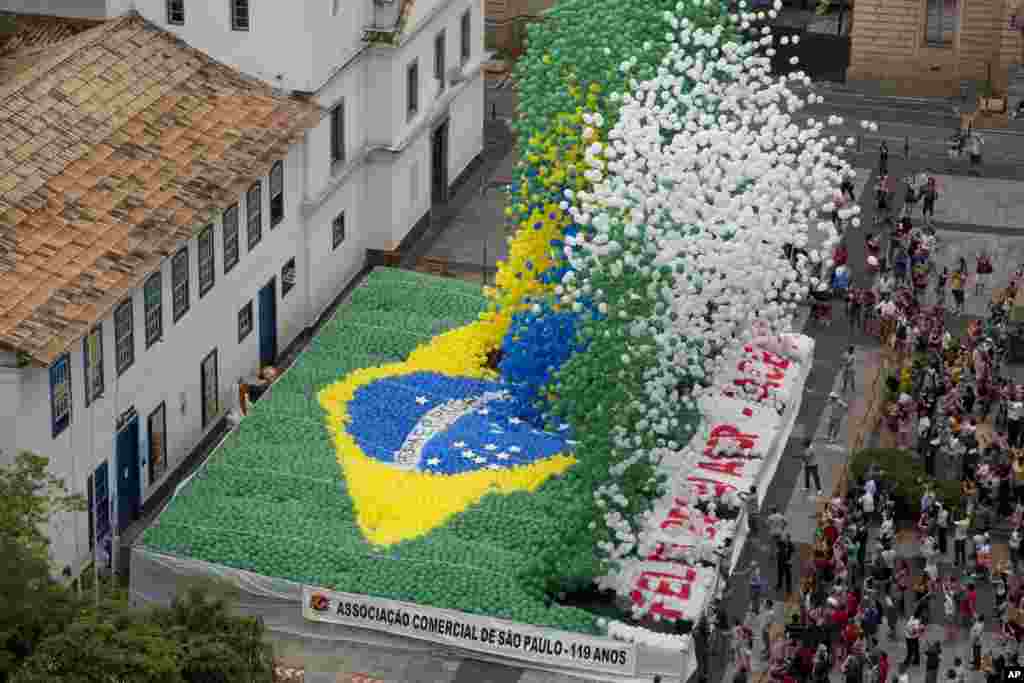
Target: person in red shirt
[831,533]
[838,622]
[852,602]
[903,584]
[805,657]
[883,667]
[969,605]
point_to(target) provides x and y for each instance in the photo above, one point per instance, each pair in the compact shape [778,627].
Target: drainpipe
[304,151]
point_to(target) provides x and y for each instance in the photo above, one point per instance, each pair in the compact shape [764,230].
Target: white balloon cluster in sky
[705,177]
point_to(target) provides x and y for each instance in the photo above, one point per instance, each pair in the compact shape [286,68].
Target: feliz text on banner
[469,631]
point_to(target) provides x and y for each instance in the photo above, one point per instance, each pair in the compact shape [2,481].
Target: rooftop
[118,142]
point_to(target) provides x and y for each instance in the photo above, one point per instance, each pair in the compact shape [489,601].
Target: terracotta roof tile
[116,144]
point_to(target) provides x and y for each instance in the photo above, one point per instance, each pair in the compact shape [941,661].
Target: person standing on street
[932,662]
[849,372]
[960,526]
[912,636]
[810,460]
[942,522]
[784,566]
[928,200]
[974,149]
[957,287]
[1014,422]
[753,510]
[765,621]
[883,159]
[835,406]
[977,629]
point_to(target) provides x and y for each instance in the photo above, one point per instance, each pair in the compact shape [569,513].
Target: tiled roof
[26,31]
[116,146]
[25,37]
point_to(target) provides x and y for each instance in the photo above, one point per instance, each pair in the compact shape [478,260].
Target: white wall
[350,86]
[330,269]
[172,367]
[466,126]
[276,43]
[10,402]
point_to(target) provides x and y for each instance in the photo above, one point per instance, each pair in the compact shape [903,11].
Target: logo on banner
[318,602]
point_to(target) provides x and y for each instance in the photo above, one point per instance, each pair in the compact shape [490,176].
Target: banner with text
[470,631]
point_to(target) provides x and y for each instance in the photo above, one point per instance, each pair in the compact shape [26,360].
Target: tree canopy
[50,634]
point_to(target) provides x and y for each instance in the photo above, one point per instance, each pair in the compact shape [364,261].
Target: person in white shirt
[867,504]
[1014,422]
[960,527]
[777,525]
[764,624]
[977,631]
[942,523]
[836,407]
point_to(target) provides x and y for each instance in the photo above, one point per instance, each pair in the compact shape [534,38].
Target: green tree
[48,634]
[196,640]
[32,605]
[110,644]
[217,647]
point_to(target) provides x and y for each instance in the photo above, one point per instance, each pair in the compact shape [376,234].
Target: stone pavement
[980,201]
[1007,253]
[803,505]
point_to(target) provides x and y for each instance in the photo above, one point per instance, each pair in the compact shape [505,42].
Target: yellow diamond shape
[394,505]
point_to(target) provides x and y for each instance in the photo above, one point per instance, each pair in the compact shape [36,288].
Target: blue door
[99,503]
[128,489]
[268,323]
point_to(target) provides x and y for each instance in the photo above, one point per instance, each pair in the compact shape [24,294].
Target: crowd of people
[952,406]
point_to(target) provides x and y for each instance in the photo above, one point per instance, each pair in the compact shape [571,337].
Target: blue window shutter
[60,372]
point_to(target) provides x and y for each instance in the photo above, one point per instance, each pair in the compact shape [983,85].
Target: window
[942,21]
[209,389]
[153,308]
[338,133]
[412,89]
[176,12]
[439,48]
[179,284]
[287,277]
[230,228]
[206,269]
[98,488]
[338,230]
[254,213]
[244,322]
[156,423]
[92,361]
[60,394]
[464,49]
[124,336]
[239,15]
[276,193]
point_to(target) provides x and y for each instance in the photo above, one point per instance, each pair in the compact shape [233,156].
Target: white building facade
[122,408]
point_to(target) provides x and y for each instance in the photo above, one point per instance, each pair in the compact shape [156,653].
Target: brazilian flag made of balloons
[397,458]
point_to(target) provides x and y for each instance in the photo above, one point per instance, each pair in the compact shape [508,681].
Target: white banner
[472,632]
